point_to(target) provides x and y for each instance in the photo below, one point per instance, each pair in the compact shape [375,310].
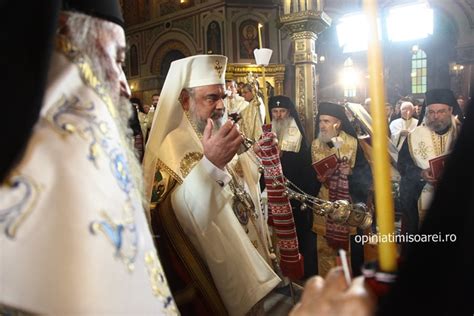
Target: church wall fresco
[229,27]
[199,32]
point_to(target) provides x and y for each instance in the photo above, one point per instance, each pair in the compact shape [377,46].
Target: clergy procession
[231,193]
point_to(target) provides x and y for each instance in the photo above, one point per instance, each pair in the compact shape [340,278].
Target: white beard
[325,137]
[280,127]
[200,123]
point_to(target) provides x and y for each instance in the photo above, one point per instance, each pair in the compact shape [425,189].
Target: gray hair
[406,104]
[85,33]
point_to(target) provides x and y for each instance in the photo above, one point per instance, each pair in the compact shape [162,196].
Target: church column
[304,24]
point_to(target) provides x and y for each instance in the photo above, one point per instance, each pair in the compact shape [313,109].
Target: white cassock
[238,261]
[399,125]
[74,236]
[202,199]
[425,145]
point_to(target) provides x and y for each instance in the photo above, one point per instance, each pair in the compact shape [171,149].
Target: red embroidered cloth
[280,212]
[337,236]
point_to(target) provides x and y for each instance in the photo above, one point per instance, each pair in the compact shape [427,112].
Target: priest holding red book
[421,158]
[345,174]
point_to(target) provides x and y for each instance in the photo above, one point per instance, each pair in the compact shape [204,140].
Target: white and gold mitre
[163,146]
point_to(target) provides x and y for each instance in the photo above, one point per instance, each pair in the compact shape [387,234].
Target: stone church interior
[237,157]
[316,39]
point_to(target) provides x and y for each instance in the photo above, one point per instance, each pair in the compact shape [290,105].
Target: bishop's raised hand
[221,146]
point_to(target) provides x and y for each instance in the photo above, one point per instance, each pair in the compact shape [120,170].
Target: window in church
[418,72]
[399,31]
[349,78]
[353,32]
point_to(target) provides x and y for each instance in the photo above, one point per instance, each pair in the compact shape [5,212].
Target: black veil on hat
[281,101]
[443,96]
[104,9]
[337,111]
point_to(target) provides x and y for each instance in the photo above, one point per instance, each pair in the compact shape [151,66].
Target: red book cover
[437,166]
[325,164]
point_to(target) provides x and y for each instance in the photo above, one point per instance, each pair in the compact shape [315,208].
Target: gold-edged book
[322,166]
[437,166]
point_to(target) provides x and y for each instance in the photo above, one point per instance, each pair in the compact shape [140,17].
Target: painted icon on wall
[214,45]
[248,38]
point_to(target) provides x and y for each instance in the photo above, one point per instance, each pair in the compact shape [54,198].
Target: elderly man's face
[406,111]
[328,127]
[281,119]
[114,47]
[438,116]
[205,102]
[279,114]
